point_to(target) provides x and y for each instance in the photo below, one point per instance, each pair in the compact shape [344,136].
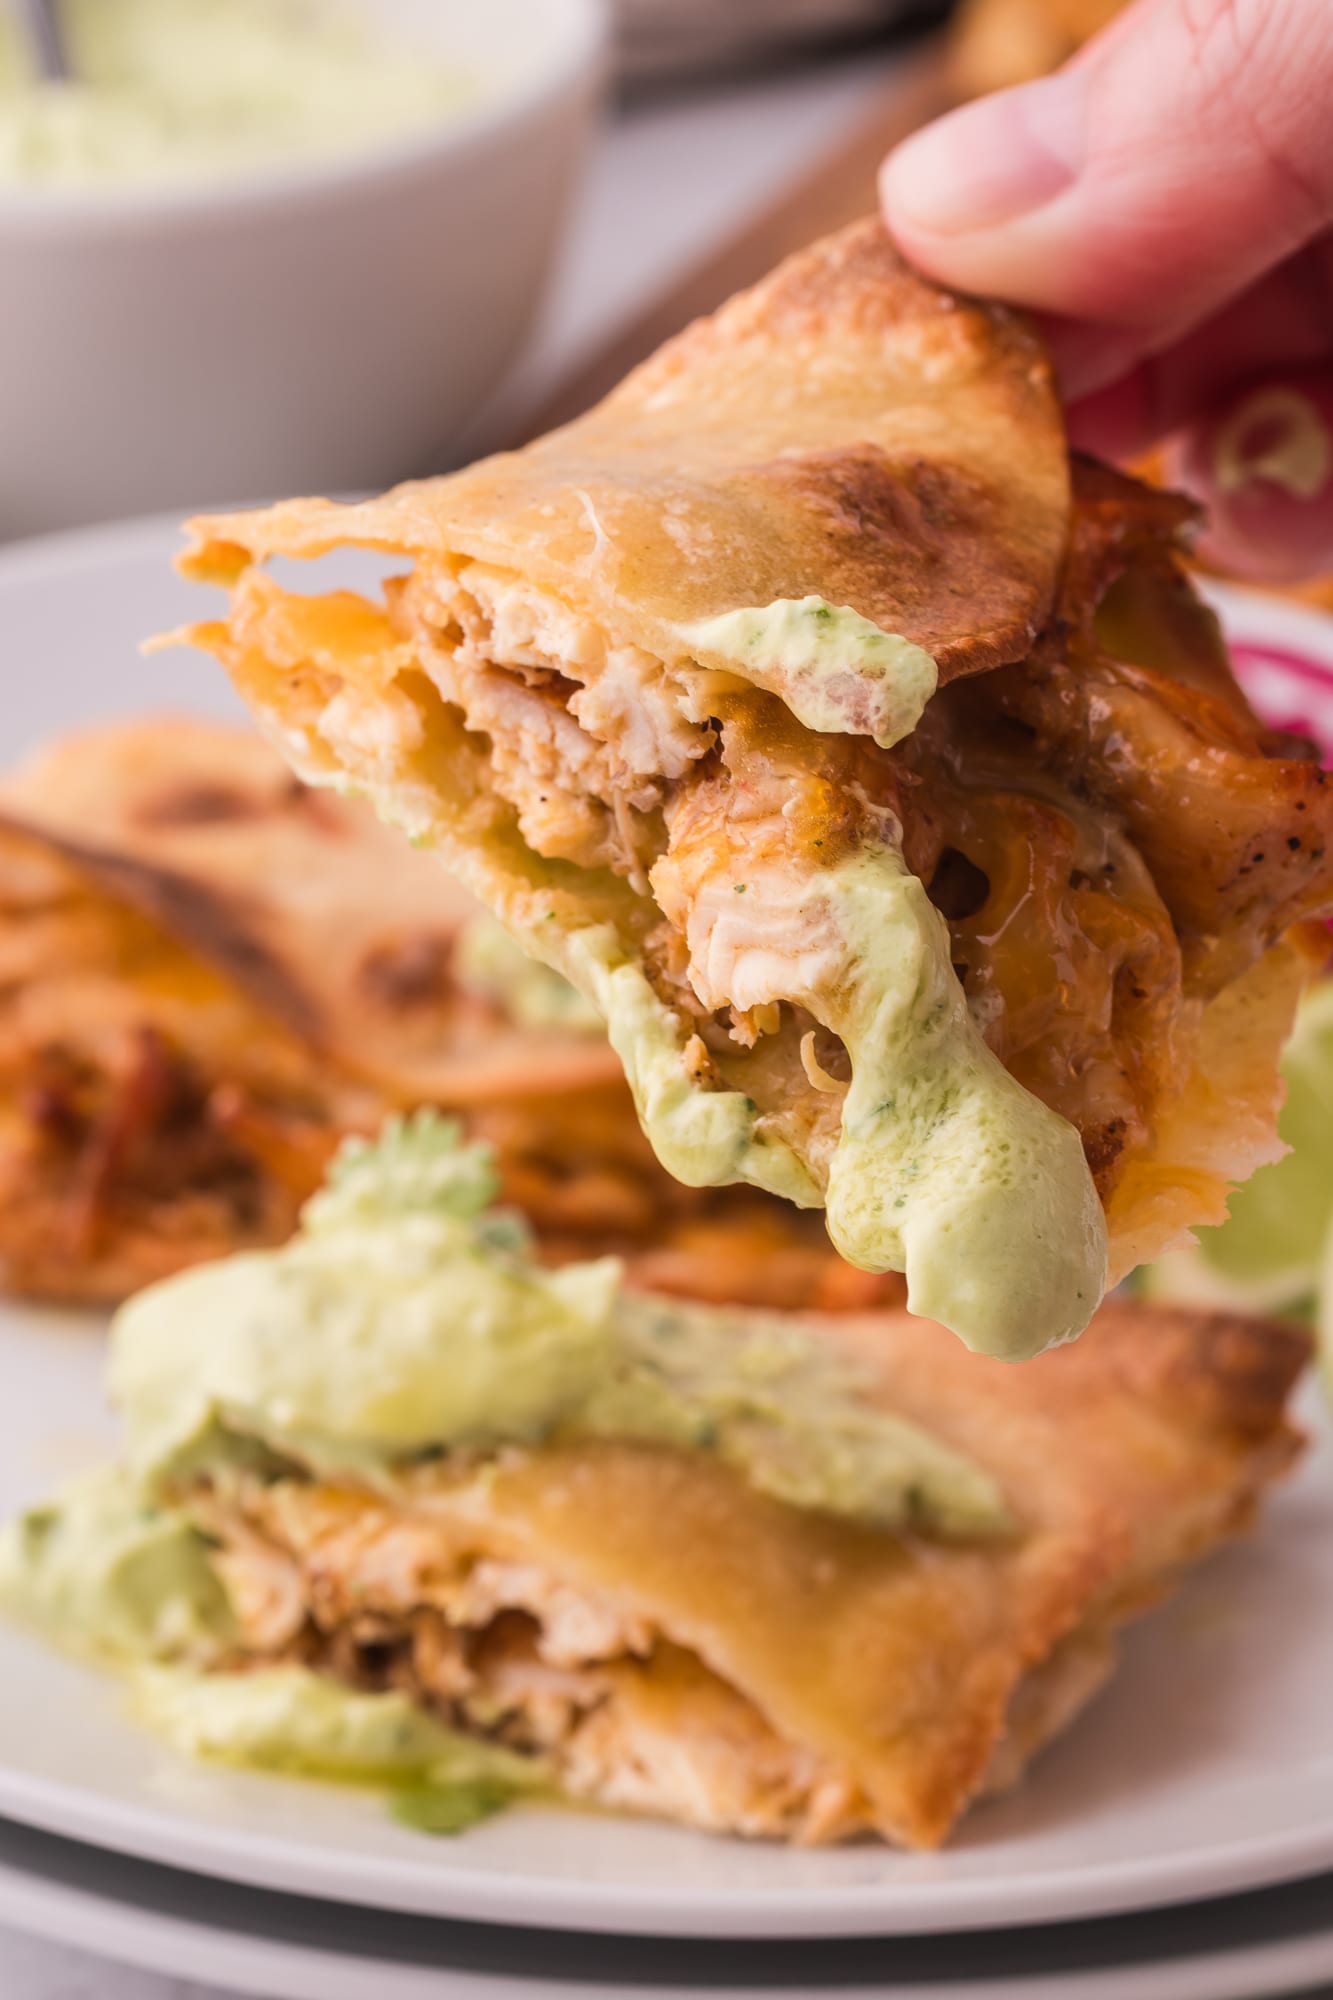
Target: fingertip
[979,167]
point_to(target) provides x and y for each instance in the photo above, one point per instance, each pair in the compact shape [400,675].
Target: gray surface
[35,1971]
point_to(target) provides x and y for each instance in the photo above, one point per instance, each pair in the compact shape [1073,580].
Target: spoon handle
[48,43]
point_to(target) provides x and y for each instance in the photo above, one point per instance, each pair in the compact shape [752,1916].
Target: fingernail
[990,161]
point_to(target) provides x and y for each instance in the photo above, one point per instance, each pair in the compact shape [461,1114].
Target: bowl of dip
[255,247]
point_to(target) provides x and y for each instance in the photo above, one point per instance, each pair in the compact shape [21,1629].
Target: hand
[1164,202]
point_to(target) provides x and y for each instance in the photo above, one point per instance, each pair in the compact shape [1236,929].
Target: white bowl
[314,328]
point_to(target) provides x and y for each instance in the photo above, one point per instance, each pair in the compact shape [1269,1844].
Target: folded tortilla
[886,788]
[680,1645]
[209,975]
[784,1575]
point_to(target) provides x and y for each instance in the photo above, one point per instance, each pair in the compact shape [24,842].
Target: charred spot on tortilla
[194,805]
[411,971]
[924,523]
[218,926]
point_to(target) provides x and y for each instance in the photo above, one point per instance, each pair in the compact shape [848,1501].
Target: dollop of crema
[837,672]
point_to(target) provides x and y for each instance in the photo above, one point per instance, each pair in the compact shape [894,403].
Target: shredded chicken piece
[810,1063]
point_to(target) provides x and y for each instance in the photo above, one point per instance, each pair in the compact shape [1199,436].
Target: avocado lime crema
[704,1138]
[947,1168]
[407,1317]
[115,1568]
[837,672]
[188,90]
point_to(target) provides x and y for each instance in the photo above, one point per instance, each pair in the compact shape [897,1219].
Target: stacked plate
[1172,1847]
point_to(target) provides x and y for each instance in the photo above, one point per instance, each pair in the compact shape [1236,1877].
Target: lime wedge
[1268,1255]
[1186,1278]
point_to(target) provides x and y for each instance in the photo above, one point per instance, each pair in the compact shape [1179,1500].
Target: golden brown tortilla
[680,1644]
[304,899]
[151,1114]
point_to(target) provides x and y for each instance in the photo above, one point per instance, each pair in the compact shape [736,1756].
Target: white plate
[1207,1768]
[1278,1941]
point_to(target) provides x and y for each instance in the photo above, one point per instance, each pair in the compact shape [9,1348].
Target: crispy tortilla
[679,1644]
[813,946]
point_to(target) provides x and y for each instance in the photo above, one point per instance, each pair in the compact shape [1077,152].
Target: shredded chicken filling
[411,1599]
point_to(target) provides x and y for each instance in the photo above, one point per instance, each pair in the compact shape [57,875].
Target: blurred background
[254,247]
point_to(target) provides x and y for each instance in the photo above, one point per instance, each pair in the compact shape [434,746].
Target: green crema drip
[946,1168]
[704,1138]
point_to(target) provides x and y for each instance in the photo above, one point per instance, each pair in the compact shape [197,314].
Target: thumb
[1180,156]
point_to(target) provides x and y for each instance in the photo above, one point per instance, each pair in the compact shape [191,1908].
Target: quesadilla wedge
[395,1500]
[151,1115]
[873,770]
[210,975]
